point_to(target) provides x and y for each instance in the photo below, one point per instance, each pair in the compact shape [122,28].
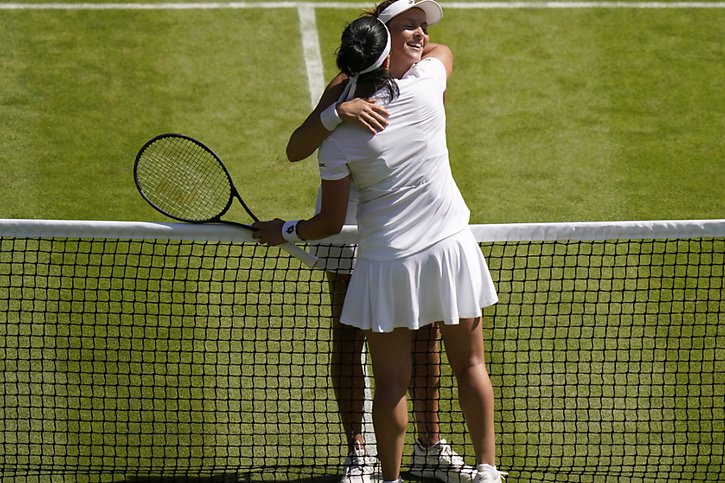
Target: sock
[488,469]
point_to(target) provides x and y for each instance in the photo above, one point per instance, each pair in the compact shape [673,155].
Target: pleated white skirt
[446,282]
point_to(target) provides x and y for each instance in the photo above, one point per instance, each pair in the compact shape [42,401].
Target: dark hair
[362,43]
[378,9]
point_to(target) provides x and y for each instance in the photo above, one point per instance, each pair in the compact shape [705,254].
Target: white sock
[487,469]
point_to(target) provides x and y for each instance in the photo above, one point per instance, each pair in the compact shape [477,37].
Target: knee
[469,369]
[391,387]
[389,395]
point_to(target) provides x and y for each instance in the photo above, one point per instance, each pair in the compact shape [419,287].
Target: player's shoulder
[431,67]
[443,54]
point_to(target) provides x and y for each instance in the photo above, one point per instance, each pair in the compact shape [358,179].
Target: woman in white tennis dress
[418,262]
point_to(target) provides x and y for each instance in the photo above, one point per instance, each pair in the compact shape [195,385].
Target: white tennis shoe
[489,474]
[439,461]
[359,467]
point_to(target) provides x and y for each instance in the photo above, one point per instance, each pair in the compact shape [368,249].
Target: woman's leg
[432,457]
[348,379]
[392,366]
[464,348]
[425,382]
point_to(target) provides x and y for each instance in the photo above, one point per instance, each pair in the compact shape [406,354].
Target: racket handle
[302,255]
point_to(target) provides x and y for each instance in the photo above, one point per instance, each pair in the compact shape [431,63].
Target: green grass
[588,114]
[84,90]
[553,115]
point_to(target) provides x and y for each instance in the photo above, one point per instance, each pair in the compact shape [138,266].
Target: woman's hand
[364,112]
[268,232]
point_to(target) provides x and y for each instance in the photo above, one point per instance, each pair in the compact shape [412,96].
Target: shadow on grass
[245,477]
[226,478]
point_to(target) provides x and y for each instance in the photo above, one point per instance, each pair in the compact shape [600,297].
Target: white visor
[433,11]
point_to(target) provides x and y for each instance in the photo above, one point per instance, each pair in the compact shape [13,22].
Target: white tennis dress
[417,260]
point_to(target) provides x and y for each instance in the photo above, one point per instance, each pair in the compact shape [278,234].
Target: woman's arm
[327,222]
[310,134]
[442,53]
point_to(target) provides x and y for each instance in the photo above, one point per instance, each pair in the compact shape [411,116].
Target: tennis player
[432,456]
[418,262]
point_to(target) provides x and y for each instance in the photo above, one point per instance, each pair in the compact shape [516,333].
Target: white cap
[433,11]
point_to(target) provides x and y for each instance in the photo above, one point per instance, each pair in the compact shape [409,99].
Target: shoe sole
[441,476]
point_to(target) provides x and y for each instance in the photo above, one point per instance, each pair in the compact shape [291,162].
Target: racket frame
[304,256]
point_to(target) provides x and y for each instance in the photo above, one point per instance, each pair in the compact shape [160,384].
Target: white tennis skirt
[444,283]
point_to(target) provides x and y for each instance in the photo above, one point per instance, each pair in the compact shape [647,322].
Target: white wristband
[289,231]
[330,118]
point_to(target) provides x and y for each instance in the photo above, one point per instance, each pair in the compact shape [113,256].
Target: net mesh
[149,352]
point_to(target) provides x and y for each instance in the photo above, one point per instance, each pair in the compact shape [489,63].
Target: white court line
[582,5]
[316,83]
[353,5]
[311,52]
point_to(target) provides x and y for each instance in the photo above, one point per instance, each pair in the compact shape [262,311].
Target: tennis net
[174,352]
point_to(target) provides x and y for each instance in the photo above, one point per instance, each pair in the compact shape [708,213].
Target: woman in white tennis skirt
[418,261]
[432,456]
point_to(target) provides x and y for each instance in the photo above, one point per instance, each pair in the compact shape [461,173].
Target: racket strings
[184,179]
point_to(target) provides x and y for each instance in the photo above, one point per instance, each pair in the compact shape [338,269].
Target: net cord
[670,229]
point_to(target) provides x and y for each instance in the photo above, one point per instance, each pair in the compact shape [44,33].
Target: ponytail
[364,45]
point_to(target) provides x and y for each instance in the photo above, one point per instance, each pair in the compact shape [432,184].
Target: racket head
[183,179]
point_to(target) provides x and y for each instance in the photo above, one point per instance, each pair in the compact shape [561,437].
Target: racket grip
[302,255]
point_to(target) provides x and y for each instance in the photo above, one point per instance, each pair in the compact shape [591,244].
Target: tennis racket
[185,180]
